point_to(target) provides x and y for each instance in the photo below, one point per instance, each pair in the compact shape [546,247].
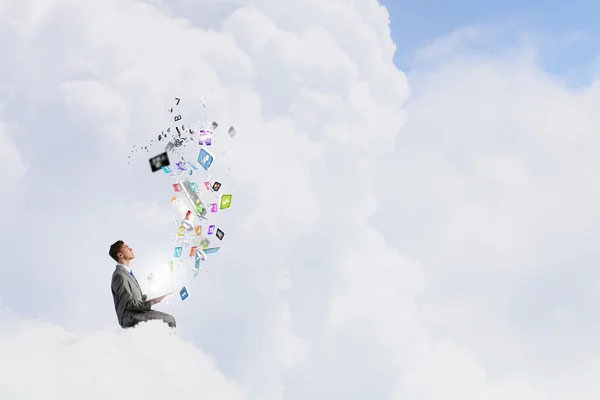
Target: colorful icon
[207,185]
[205,137]
[166,169]
[180,166]
[211,229]
[173,200]
[205,159]
[213,207]
[220,234]
[225,201]
[205,243]
[199,209]
[193,251]
[183,293]
[198,230]
[177,252]
[181,230]
[216,186]
[211,250]
[177,187]
[194,186]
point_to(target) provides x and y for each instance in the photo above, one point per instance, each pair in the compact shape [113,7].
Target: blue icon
[205,159]
[211,250]
[183,293]
[166,169]
[177,252]
[192,165]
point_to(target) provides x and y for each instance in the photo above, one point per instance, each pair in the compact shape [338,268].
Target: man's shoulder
[118,272]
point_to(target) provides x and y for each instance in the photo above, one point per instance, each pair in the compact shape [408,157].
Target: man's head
[121,253]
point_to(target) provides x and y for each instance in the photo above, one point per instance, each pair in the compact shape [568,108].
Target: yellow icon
[181,231]
[197,230]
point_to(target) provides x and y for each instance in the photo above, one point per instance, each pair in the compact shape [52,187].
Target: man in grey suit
[130,303]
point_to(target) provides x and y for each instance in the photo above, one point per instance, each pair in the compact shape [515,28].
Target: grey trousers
[144,316]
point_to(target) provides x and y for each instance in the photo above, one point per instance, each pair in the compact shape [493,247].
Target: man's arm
[123,291]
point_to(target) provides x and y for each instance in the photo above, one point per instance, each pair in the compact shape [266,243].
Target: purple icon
[205,137]
[211,229]
[213,207]
[180,166]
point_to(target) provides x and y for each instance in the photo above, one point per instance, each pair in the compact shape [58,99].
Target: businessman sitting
[130,304]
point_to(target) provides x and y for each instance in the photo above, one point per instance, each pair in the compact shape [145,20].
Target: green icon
[199,209]
[225,201]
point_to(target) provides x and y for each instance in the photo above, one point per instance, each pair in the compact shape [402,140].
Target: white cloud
[43,360]
[372,250]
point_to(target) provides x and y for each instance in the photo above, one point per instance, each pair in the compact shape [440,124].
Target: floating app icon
[174,200]
[198,230]
[181,230]
[207,185]
[194,186]
[160,161]
[205,243]
[180,166]
[211,250]
[216,186]
[205,137]
[177,187]
[211,229]
[232,132]
[220,234]
[199,209]
[166,170]
[205,159]
[225,201]
[193,251]
[213,207]
[170,266]
[188,221]
[183,293]
[192,165]
[177,252]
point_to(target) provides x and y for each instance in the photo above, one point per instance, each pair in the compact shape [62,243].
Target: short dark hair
[115,248]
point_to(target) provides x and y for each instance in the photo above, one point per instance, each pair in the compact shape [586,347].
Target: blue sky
[414,24]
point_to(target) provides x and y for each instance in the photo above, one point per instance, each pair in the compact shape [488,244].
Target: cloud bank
[384,242]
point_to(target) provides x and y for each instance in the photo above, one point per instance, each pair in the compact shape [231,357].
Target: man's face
[126,252]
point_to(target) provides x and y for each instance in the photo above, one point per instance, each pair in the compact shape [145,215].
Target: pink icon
[213,207]
[177,187]
[211,229]
[208,185]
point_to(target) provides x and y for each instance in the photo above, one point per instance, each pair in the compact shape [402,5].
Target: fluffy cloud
[368,255]
[43,360]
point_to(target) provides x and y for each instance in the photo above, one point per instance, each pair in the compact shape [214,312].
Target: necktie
[131,272]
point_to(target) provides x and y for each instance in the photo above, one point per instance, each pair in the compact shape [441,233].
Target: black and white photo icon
[159,161]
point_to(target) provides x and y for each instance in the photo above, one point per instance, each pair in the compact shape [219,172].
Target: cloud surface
[375,248]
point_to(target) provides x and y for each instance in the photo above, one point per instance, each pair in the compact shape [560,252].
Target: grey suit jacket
[128,297]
